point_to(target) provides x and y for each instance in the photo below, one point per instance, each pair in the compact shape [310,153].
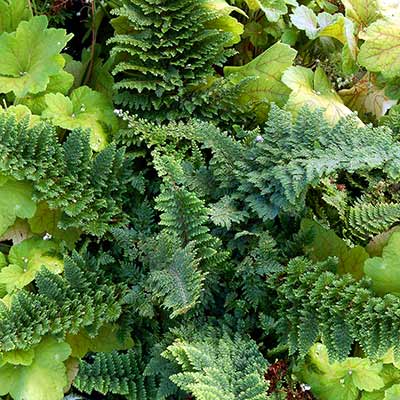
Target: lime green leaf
[59,83]
[304,19]
[385,271]
[30,56]
[315,91]
[342,29]
[362,12]
[45,222]
[15,201]
[20,111]
[222,7]
[327,244]
[365,374]
[44,379]
[365,97]
[267,70]
[225,22]
[26,259]
[380,51]
[19,357]
[393,393]
[339,380]
[106,341]
[376,395]
[274,9]
[12,12]
[85,108]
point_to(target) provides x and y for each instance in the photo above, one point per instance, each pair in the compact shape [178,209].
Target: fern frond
[80,299]
[115,373]
[219,368]
[366,220]
[315,303]
[162,56]
[86,188]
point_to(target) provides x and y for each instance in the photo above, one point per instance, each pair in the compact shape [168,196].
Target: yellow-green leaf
[267,70]
[315,91]
[380,51]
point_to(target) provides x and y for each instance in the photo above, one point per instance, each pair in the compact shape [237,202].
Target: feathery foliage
[164,51]
[116,373]
[222,368]
[83,298]
[315,303]
[86,188]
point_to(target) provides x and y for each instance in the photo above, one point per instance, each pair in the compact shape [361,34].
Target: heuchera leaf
[30,56]
[15,201]
[362,12]
[304,19]
[85,108]
[12,12]
[274,9]
[19,357]
[25,261]
[380,51]
[225,22]
[59,83]
[385,271]
[106,341]
[267,70]
[365,97]
[45,222]
[393,393]
[327,244]
[339,380]
[315,91]
[43,379]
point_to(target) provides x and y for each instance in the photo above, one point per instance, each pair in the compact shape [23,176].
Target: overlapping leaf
[30,56]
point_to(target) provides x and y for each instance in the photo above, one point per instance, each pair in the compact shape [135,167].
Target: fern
[219,368]
[115,373]
[174,274]
[164,51]
[366,220]
[67,176]
[81,299]
[315,303]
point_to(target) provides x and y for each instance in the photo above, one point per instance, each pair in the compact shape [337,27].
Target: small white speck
[47,236]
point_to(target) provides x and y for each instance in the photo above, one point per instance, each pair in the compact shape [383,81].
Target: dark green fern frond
[175,277]
[366,220]
[80,299]
[163,51]
[115,373]
[222,368]
[86,188]
[316,303]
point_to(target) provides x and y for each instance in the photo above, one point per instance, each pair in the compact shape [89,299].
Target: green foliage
[85,108]
[16,201]
[82,298]
[31,56]
[26,259]
[316,303]
[162,59]
[117,373]
[41,378]
[222,368]
[12,12]
[367,220]
[67,176]
[383,270]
